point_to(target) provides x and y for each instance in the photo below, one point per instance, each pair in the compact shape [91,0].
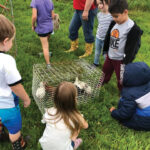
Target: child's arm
[53,14]
[133,44]
[19,90]
[34,17]
[84,122]
[125,111]
[107,38]
[111,109]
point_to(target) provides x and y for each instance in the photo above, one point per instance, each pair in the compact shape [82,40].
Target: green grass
[104,133]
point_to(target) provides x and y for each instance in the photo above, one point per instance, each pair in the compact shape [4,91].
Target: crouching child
[134,106]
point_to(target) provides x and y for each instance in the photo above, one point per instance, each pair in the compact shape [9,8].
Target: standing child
[64,121]
[42,14]
[122,40]
[104,20]
[10,84]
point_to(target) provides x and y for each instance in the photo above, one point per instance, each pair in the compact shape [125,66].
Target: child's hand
[111,109]
[27,103]
[33,28]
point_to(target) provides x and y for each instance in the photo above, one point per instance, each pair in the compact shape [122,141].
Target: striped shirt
[104,21]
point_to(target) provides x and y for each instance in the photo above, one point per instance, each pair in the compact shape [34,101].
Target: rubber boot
[74,46]
[88,50]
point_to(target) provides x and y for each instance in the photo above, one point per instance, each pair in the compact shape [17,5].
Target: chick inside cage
[85,78]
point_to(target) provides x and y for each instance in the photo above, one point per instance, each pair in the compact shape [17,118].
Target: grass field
[104,133]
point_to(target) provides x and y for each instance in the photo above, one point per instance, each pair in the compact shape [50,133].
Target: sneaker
[94,66]
[77,143]
[48,66]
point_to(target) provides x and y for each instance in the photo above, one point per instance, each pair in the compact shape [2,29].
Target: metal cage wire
[65,71]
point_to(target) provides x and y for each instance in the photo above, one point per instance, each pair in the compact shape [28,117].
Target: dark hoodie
[133,42]
[134,106]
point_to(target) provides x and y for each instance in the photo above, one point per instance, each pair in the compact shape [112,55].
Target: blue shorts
[11,119]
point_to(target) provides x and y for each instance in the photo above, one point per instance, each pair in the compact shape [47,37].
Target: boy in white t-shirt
[122,41]
[10,86]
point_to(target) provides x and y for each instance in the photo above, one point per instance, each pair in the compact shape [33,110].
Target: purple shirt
[44,18]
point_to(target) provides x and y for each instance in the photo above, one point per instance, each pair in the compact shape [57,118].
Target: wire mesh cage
[87,79]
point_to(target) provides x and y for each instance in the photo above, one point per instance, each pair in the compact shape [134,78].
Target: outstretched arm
[125,111]
[87,7]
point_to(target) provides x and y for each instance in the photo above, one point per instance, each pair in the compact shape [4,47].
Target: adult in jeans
[85,12]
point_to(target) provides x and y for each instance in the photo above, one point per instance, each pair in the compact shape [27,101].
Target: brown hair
[7,29]
[118,6]
[66,105]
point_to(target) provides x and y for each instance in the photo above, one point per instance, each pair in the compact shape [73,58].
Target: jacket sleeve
[107,38]
[125,110]
[133,44]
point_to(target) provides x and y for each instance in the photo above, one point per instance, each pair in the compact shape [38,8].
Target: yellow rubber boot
[88,50]
[74,46]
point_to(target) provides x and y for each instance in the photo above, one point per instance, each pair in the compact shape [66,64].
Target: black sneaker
[94,66]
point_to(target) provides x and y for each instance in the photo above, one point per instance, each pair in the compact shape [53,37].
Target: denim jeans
[98,46]
[87,26]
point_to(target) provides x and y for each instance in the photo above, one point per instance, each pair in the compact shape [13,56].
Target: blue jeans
[98,46]
[87,26]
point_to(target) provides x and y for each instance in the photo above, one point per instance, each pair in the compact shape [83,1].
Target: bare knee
[14,137]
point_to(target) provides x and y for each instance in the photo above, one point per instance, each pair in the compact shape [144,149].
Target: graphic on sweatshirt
[114,39]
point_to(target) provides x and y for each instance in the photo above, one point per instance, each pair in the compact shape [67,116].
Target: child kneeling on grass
[10,84]
[64,121]
[134,106]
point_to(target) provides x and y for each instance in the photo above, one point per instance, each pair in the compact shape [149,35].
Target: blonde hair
[7,28]
[66,105]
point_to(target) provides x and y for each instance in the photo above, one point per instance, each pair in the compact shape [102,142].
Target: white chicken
[83,86]
[40,93]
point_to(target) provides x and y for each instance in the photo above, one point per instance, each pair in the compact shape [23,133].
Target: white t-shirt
[56,136]
[9,76]
[118,38]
